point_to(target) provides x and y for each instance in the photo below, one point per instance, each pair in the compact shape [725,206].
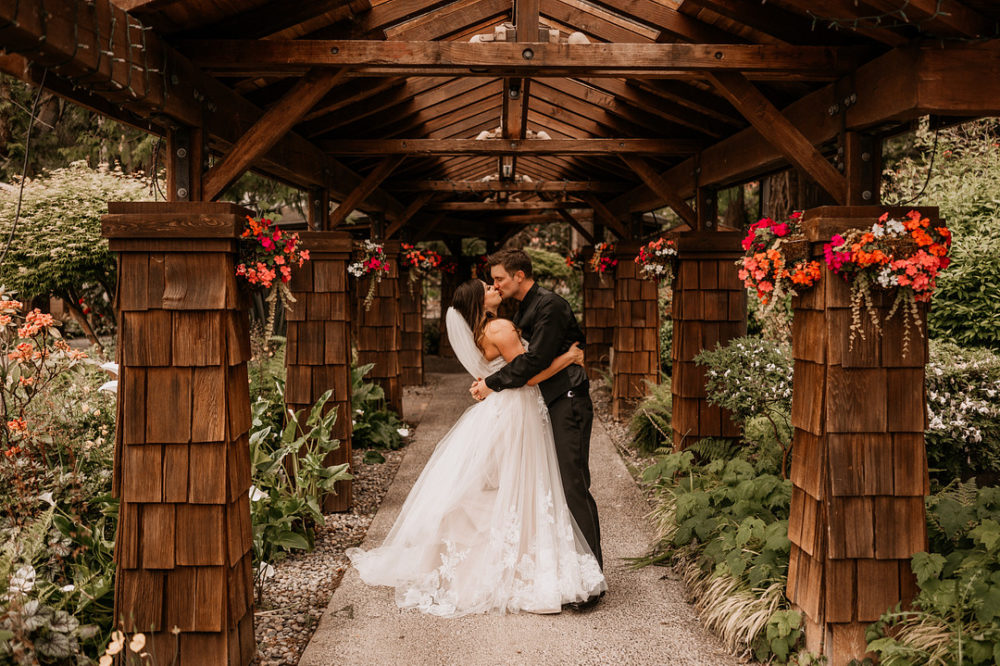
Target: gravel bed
[294,600]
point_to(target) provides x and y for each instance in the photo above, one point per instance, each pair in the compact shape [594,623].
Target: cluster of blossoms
[603,259]
[906,254]
[481,269]
[768,268]
[33,353]
[269,253]
[656,259]
[419,258]
[575,259]
[370,261]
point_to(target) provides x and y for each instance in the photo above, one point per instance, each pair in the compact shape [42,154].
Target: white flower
[110,387]
[138,642]
[265,571]
[110,367]
[47,498]
[256,494]
[67,588]
[403,432]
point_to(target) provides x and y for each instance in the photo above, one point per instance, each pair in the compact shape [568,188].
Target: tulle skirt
[486,527]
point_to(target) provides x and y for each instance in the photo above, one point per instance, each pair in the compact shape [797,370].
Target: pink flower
[780,229]
[304,254]
[278,259]
[267,243]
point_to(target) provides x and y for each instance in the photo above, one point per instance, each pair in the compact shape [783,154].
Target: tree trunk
[81,319]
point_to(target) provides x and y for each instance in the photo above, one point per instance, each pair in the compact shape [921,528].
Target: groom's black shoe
[586,605]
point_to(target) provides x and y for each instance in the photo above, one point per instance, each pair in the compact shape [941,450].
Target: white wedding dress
[486,526]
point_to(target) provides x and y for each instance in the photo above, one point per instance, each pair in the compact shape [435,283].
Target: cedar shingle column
[318,352]
[379,330]
[182,465]
[449,283]
[636,344]
[411,354]
[709,307]
[859,466]
[598,317]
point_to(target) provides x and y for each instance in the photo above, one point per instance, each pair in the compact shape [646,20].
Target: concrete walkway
[642,620]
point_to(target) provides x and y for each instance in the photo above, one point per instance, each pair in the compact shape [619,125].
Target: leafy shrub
[963,401]
[724,523]
[666,344]
[375,426]
[965,303]
[956,619]
[432,336]
[289,475]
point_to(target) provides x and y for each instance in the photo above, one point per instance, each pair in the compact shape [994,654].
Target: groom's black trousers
[572,421]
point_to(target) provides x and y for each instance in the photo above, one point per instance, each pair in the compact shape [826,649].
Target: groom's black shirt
[546,321]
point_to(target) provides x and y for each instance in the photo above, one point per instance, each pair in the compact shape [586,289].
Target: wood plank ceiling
[683,109]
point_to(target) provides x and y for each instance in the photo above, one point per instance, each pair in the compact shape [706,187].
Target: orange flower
[17,425]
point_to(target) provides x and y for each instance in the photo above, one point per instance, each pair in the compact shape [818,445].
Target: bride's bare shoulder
[499,328]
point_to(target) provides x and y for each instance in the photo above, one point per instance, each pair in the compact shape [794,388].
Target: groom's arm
[550,329]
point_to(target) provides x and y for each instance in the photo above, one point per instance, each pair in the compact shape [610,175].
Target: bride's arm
[502,334]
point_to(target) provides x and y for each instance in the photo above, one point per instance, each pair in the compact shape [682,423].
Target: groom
[546,321]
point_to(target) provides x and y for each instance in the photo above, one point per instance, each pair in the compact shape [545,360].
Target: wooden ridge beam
[364,189]
[500,206]
[780,132]
[602,211]
[269,129]
[655,182]
[367,147]
[498,186]
[503,58]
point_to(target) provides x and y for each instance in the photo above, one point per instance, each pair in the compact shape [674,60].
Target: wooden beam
[573,222]
[269,129]
[609,218]
[366,187]
[773,126]
[501,206]
[504,58]
[318,213]
[418,202]
[368,147]
[655,182]
[498,186]
[428,227]
[90,49]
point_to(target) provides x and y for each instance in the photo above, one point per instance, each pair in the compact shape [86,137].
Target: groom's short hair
[512,260]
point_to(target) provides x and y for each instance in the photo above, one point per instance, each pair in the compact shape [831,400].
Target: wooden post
[182,463]
[379,330]
[859,469]
[636,343]
[598,318]
[709,308]
[411,351]
[318,351]
[449,283]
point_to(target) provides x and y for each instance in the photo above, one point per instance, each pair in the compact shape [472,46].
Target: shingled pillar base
[411,353]
[379,330]
[859,469]
[636,343]
[598,318]
[709,308]
[318,351]
[182,465]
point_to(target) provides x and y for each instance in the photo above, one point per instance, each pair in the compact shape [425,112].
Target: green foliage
[725,523]
[749,376]
[649,426]
[432,337]
[548,266]
[375,426]
[666,344]
[963,402]
[289,476]
[956,619]
[58,248]
[965,185]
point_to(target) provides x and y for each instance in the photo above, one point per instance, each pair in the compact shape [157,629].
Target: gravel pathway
[294,599]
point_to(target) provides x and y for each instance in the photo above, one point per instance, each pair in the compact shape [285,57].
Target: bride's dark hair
[470,301]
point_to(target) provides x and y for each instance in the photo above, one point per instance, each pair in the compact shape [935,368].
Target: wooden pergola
[473,118]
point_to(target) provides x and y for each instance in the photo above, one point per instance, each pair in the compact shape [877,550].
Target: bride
[486,526]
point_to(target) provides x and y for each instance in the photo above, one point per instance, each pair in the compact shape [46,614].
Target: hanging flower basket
[482,268]
[657,260]
[575,259]
[902,255]
[268,256]
[777,260]
[419,261]
[370,261]
[603,259]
